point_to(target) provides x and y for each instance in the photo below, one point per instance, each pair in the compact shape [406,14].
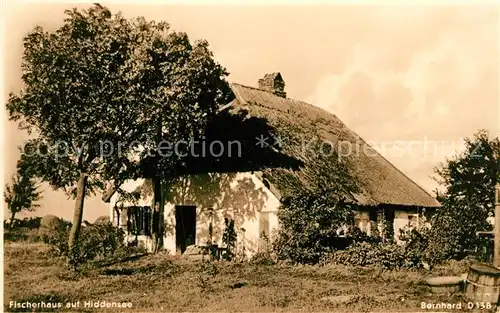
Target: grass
[162,283]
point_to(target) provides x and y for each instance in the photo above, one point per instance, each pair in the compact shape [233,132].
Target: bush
[21,234]
[110,238]
[96,241]
[453,267]
[469,180]
[356,235]
[126,250]
[418,246]
[385,255]
[309,227]
[55,232]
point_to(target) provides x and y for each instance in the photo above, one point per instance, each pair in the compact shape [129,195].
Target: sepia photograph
[251,157]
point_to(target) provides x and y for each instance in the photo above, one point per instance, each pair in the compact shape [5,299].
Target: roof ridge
[289,99]
[254,88]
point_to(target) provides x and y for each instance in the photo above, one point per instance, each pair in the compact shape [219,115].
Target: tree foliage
[469,180]
[315,209]
[98,90]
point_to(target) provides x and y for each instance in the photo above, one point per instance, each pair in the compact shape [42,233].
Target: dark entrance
[185,227]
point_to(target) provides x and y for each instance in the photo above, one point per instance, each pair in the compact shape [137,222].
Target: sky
[413,81]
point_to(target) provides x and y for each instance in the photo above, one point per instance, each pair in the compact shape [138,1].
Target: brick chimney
[273,83]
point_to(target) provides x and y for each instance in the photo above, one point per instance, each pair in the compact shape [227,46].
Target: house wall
[239,196]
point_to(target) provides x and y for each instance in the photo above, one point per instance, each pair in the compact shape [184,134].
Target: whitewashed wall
[400,221]
[240,196]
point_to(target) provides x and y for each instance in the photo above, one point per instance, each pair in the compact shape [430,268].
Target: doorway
[185,227]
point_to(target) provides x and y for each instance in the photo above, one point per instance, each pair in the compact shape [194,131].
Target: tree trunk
[156,216]
[118,216]
[156,231]
[161,225]
[78,214]
[12,219]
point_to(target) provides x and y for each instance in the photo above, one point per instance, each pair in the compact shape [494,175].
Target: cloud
[426,73]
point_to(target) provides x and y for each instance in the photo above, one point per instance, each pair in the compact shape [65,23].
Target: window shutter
[125,219]
[147,221]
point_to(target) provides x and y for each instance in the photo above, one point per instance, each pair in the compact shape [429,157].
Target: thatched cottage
[247,187]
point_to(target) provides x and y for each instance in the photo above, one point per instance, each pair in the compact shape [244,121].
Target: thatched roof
[379,181]
[257,111]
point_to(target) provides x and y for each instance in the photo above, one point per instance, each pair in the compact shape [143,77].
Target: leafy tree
[81,89]
[21,194]
[469,180]
[184,87]
[101,89]
[314,209]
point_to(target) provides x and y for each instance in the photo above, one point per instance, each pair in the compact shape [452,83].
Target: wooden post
[496,248]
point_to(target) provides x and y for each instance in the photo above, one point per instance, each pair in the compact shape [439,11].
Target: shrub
[126,250]
[57,239]
[31,223]
[468,179]
[417,245]
[110,237]
[309,227]
[356,235]
[453,267]
[96,241]
[55,232]
[21,234]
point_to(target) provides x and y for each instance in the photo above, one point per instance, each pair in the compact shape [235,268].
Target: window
[137,219]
